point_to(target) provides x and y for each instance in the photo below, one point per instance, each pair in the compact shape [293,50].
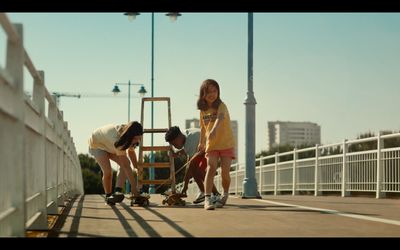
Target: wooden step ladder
[170,164]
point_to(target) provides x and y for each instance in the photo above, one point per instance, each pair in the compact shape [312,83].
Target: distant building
[195,123]
[192,123]
[234,126]
[293,133]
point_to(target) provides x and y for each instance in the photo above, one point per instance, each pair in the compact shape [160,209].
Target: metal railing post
[276,174]
[236,178]
[380,146]
[260,182]
[344,169]
[316,170]
[294,183]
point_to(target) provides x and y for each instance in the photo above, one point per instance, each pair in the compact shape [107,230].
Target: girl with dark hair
[113,142]
[216,139]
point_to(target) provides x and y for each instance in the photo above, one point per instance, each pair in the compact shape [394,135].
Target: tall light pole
[142,91]
[173,16]
[249,182]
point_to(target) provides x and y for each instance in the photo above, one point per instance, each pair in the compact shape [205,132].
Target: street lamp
[249,182]
[132,16]
[142,91]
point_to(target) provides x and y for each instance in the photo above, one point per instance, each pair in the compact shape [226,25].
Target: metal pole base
[250,189]
[152,190]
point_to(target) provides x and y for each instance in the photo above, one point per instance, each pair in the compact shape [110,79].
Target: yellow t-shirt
[104,138]
[224,136]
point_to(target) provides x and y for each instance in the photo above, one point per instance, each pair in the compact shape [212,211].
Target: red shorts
[200,161]
[222,153]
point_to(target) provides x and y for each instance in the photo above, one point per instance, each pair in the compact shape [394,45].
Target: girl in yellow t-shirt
[216,139]
[113,142]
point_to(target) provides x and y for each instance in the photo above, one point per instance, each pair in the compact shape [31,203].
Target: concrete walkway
[273,216]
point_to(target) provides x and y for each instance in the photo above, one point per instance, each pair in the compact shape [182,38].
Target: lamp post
[132,16]
[249,182]
[142,91]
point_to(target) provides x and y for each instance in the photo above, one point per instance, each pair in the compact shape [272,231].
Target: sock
[118,189]
[226,194]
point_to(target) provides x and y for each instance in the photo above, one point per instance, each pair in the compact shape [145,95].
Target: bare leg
[198,178]
[125,165]
[121,178]
[188,175]
[225,167]
[104,163]
[209,178]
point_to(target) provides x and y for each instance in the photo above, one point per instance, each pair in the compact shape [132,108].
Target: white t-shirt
[192,141]
[104,138]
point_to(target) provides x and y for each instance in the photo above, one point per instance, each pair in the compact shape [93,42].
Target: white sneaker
[208,204]
[214,198]
[221,201]
[199,198]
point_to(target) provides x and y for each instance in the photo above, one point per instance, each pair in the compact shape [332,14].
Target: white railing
[38,160]
[376,170]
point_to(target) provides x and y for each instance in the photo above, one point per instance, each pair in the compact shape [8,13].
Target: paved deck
[272,216]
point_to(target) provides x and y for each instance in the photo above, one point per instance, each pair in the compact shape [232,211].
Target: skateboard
[172,199]
[115,198]
[142,200]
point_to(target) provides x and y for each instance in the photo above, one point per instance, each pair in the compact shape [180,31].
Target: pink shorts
[222,153]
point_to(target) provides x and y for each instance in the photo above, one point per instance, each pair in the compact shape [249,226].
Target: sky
[339,70]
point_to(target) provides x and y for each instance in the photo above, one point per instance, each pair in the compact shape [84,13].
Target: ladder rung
[155,99]
[156,165]
[155,130]
[165,181]
[156,148]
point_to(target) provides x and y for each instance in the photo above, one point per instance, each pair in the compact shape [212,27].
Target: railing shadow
[128,229]
[143,223]
[55,231]
[170,222]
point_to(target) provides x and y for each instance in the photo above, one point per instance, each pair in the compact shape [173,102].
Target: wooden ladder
[142,149]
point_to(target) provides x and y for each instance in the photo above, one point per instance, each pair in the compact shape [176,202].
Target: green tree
[92,175]
[285,148]
[391,142]
[363,146]
[371,145]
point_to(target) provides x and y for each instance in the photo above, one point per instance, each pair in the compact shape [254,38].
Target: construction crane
[57,95]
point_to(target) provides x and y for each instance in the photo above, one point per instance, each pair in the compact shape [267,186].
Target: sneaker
[221,201]
[199,198]
[208,205]
[118,197]
[110,200]
[215,198]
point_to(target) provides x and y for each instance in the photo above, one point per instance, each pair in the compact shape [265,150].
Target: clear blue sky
[339,70]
